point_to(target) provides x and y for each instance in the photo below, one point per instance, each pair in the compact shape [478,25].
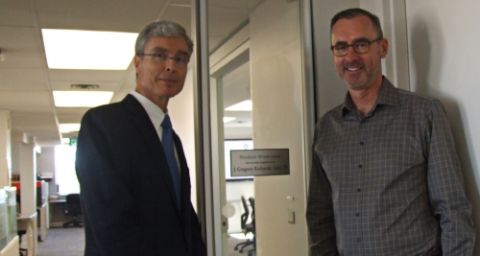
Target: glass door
[231,124]
[232,103]
[256,98]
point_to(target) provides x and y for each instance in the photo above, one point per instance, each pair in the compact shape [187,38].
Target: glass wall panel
[255,55]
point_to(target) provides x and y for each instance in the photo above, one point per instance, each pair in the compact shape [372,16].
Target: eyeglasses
[360,46]
[162,57]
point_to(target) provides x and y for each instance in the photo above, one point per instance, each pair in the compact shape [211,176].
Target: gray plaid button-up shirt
[388,183]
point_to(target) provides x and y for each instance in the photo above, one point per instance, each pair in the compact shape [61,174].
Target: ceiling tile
[22,101]
[121,15]
[23,79]
[16,13]
[86,75]
[21,48]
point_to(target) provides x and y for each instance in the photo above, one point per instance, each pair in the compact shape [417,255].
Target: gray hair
[161,28]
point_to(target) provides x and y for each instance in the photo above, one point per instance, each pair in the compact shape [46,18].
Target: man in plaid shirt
[385,178]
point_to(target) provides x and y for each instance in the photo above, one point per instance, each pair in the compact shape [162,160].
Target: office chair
[247,227]
[73,209]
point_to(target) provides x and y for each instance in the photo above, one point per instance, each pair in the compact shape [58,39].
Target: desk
[43,221]
[11,249]
[28,222]
[57,212]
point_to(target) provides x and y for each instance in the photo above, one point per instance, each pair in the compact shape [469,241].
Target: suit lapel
[145,127]
[184,172]
[185,198]
[147,132]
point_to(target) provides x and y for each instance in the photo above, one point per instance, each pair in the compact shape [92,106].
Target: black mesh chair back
[247,227]
[245,214]
[74,210]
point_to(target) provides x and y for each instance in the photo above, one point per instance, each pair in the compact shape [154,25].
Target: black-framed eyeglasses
[162,57]
[360,46]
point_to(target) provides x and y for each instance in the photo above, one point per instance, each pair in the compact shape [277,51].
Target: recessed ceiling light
[82,49]
[81,98]
[69,127]
[245,105]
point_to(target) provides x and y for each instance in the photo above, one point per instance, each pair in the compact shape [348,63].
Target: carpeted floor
[71,242]
[62,242]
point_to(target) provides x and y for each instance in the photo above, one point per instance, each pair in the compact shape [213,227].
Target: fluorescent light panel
[74,99]
[82,49]
[69,127]
[227,119]
[245,105]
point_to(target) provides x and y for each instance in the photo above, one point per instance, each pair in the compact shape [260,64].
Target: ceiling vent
[2,56]
[85,86]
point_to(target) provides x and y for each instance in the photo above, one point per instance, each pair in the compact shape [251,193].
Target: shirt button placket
[361,183]
[360,166]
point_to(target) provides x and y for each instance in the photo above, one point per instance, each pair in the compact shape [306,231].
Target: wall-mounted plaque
[260,162]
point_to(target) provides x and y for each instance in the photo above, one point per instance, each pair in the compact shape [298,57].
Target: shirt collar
[155,113]
[388,95]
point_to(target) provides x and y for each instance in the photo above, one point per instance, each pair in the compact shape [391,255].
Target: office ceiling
[26,82]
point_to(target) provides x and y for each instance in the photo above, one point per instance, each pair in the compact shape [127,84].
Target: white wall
[5,148]
[46,161]
[443,55]
[277,90]
[46,167]
[24,160]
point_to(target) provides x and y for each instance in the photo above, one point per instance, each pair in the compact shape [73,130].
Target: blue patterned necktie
[168,146]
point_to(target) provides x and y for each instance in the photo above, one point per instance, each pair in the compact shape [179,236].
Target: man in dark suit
[135,196]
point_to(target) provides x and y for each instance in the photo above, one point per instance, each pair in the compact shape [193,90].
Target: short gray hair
[161,28]
[356,12]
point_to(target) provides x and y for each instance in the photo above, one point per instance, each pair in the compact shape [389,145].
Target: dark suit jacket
[126,190]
